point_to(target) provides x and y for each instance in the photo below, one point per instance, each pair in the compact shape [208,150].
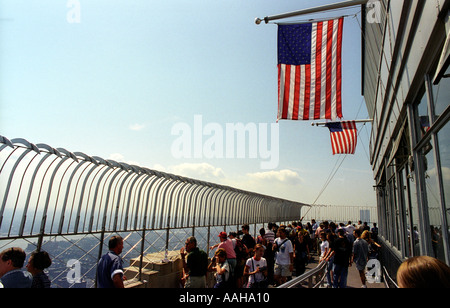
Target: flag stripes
[344,137]
[311,90]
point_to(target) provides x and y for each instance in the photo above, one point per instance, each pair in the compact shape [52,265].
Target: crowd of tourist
[241,261]
[280,252]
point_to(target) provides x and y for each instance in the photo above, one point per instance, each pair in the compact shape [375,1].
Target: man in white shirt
[284,257]
[350,228]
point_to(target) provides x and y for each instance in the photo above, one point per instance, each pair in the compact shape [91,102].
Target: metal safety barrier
[318,273]
[48,192]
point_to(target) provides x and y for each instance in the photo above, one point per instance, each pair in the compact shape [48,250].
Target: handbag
[258,284]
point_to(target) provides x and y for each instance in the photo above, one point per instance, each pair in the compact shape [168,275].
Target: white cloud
[120,158]
[201,171]
[116,157]
[287,177]
[137,127]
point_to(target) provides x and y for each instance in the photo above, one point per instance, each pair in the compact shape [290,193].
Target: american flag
[344,137]
[309,70]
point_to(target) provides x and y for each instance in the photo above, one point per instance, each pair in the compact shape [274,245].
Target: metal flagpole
[318,9]
[325,123]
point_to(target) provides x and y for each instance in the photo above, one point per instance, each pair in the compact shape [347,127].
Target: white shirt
[253,265]
[226,275]
[324,246]
[282,256]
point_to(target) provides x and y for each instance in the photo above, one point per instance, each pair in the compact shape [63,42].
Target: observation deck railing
[53,199]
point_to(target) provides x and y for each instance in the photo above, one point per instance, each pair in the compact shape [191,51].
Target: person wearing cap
[227,244]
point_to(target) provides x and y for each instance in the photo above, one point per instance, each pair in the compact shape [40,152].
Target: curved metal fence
[48,191]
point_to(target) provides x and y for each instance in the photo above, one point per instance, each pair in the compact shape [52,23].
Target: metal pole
[318,9]
[356,121]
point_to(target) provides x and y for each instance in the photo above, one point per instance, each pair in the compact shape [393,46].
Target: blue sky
[115,84]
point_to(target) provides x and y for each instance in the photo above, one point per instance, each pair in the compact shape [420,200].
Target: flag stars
[294,44]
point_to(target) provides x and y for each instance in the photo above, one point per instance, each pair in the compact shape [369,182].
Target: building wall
[410,140]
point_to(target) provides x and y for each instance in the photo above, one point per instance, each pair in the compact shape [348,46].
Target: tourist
[110,267]
[269,235]
[374,247]
[256,269]
[269,255]
[229,246]
[196,265]
[284,257]
[423,272]
[248,240]
[359,225]
[329,257]
[39,260]
[360,255]
[374,231]
[342,252]
[11,274]
[324,246]
[365,227]
[260,239]
[301,249]
[350,228]
[241,257]
[319,230]
[221,267]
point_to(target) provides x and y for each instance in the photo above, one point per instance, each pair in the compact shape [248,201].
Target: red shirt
[228,246]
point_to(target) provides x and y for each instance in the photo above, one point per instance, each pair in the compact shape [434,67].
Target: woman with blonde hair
[423,272]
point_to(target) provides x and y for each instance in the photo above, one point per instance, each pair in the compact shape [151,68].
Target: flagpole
[312,10]
[356,121]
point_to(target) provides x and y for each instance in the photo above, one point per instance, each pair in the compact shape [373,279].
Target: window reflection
[444,148]
[424,122]
[433,200]
[441,95]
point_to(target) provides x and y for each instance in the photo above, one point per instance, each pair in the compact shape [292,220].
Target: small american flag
[344,137]
[310,70]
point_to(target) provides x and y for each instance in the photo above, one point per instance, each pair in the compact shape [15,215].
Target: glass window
[444,149]
[411,211]
[433,201]
[441,95]
[424,122]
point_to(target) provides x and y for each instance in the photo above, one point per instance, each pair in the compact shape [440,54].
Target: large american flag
[309,70]
[344,137]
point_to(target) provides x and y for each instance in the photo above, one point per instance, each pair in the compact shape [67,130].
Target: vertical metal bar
[118,203]
[66,196]
[18,193]
[156,194]
[94,201]
[208,241]
[30,189]
[8,185]
[169,203]
[134,191]
[144,222]
[168,214]
[113,194]
[103,230]
[63,210]
[213,209]
[57,196]
[44,214]
[177,209]
[213,189]
[138,202]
